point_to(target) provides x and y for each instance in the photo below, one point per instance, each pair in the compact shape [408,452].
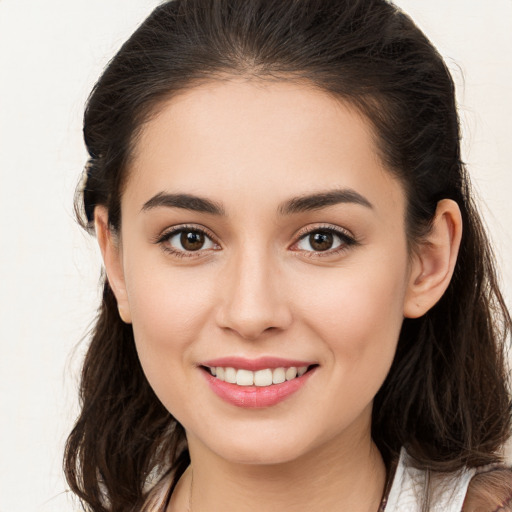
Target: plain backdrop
[51,53]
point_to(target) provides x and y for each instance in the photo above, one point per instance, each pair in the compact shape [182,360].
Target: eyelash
[345,238]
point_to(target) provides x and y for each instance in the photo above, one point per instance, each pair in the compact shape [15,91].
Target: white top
[409,485]
[406,494]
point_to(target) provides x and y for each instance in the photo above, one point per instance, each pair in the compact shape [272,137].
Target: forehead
[246,139]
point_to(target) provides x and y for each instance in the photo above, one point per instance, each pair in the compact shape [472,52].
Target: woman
[300,309]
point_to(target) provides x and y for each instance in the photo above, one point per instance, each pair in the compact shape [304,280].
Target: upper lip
[260,363]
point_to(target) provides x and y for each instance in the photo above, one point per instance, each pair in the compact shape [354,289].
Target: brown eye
[187,241]
[324,240]
[192,240]
[321,241]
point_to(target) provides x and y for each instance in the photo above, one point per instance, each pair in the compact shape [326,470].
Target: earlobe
[112,259]
[434,260]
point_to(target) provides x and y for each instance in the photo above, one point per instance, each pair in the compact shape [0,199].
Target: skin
[259,288]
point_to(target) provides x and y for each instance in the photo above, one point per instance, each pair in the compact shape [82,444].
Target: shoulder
[490,491]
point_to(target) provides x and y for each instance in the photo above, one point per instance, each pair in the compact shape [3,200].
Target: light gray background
[51,52]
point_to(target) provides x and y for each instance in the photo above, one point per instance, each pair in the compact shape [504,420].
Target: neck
[333,478]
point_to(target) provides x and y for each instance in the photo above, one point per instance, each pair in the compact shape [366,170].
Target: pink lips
[255,396]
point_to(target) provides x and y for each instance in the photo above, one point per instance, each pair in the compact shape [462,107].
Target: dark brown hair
[446,396]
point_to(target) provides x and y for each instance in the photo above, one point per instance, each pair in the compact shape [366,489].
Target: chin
[260,455]
[253,446]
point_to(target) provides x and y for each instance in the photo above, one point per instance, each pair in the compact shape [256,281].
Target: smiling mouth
[260,378]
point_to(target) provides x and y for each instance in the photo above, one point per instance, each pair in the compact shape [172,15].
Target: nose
[253,298]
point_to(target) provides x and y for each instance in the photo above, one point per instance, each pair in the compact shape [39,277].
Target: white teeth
[291,373]
[278,376]
[244,378]
[301,371]
[230,375]
[261,378]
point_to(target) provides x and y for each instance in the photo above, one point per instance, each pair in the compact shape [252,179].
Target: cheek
[357,310]
[167,302]
[358,317]
[170,310]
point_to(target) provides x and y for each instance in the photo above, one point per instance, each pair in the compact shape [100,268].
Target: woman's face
[261,233]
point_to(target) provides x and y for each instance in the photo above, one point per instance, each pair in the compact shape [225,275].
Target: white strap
[407,493]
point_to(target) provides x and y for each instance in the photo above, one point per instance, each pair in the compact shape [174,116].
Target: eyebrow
[322,200]
[184,201]
[299,204]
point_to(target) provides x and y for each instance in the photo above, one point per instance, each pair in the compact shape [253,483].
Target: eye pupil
[321,241]
[192,240]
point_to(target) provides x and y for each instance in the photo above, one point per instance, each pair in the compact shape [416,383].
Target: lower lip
[253,397]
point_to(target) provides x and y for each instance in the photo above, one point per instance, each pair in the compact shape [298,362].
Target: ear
[112,258]
[434,260]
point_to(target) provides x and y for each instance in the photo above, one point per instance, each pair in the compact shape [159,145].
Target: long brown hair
[446,396]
